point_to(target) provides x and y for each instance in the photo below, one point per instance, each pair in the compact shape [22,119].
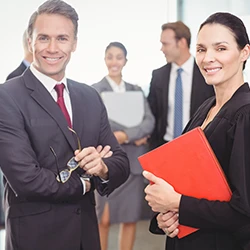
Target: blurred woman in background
[124,205]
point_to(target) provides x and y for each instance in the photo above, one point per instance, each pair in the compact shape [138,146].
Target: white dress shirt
[118,88]
[49,83]
[187,77]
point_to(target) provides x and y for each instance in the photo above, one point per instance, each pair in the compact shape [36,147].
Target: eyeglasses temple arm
[78,141]
[57,167]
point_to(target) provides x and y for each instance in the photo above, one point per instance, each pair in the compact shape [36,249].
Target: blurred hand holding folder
[189,164]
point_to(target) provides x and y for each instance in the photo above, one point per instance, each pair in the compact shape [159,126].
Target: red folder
[189,164]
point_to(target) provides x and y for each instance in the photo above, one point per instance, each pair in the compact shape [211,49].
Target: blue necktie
[178,113]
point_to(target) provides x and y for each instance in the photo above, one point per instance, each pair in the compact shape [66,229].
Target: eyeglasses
[72,164]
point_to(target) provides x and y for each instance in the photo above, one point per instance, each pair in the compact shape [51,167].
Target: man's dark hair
[180,29]
[54,7]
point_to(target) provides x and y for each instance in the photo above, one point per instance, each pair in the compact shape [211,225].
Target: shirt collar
[115,86]
[26,63]
[48,82]
[186,66]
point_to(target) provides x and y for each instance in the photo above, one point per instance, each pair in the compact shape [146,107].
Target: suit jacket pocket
[28,208]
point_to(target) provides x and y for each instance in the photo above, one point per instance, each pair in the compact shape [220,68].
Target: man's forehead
[53,21]
[168,33]
[53,25]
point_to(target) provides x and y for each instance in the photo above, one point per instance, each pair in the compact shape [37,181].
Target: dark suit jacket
[17,72]
[158,99]
[40,212]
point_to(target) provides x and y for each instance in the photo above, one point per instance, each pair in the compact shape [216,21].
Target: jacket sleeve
[233,216]
[26,177]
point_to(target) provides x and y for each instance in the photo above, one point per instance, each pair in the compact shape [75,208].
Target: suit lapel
[165,88]
[129,87]
[77,109]
[40,94]
[196,89]
[105,85]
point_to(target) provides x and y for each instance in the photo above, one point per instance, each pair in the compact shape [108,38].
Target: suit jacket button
[78,211]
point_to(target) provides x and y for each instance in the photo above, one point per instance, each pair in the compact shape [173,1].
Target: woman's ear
[245,52]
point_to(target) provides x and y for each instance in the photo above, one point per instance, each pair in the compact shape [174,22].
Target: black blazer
[158,99]
[223,225]
[40,212]
[17,72]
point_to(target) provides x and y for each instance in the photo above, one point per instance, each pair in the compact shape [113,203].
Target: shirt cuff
[103,181]
[83,185]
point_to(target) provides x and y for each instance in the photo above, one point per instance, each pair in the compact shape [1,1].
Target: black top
[223,225]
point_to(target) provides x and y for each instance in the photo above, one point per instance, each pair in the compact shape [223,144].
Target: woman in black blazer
[221,53]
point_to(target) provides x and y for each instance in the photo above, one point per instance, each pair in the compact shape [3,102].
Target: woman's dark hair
[234,24]
[118,45]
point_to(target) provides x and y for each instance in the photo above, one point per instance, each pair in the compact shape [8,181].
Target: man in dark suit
[175,39]
[28,58]
[50,202]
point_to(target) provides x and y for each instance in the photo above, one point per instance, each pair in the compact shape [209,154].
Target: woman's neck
[225,91]
[116,79]
[223,96]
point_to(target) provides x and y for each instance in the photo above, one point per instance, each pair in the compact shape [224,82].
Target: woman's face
[218,56]
[115,61]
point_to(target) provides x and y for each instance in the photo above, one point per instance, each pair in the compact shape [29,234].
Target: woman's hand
[169,223]
[121,137]
[141,141]
[160,195]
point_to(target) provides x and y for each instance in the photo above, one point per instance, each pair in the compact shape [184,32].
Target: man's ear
[74,45]
[30,45]
[182,42]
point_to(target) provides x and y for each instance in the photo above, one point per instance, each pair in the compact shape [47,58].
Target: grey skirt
[125,203]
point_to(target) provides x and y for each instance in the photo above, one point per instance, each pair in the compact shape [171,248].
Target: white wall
[136,23]
[201,10]
[246,20]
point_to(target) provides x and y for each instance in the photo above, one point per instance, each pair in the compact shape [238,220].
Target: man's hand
[160,195]
[169,223]
[90,159]
[104,152]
